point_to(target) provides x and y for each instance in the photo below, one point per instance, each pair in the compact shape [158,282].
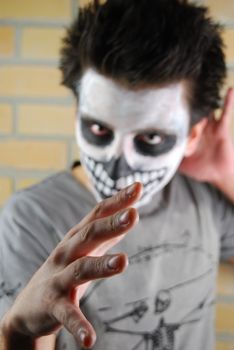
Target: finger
[89,269]
[94,234]
[75,322]
[123,199]
[210,129]
[228,106]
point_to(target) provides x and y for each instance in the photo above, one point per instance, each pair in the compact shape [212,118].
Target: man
[147,76]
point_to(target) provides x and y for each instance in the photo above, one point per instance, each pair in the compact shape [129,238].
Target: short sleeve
[223,211]
[26,239]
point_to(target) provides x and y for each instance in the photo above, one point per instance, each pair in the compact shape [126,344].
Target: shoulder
[201,193]
[32,197]
[206,198]
[189,183]
[58,202]
[25,208]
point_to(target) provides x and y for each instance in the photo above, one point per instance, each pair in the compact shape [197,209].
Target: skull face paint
[130,135]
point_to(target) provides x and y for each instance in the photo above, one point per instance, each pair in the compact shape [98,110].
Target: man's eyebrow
[92,119]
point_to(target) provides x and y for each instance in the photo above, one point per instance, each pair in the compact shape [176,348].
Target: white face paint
[130,135]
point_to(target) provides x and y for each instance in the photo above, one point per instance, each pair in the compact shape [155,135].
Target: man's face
[130,135]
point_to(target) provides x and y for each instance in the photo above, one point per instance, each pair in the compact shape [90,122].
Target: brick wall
[223,10]
[37,114]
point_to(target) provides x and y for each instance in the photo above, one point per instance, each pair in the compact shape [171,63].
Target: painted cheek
[169,160]
[138,160]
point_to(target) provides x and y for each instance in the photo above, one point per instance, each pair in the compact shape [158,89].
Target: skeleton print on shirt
[165,308]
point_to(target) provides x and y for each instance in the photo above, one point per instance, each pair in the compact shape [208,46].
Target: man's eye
[96,133]
[99,130]
[154,143]
[151,139]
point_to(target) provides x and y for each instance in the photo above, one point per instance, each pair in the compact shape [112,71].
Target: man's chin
[145,199]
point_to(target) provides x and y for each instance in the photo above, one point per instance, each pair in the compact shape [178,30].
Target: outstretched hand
[51,298]
[213,161]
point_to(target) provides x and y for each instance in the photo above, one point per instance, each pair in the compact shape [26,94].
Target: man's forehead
[108,100]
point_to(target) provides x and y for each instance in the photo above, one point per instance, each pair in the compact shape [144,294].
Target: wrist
[12,337]
[226,185]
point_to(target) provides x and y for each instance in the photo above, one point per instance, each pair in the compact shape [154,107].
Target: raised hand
[213,161]
[51,298]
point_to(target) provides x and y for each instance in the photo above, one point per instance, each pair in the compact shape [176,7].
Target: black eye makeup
[96,133]
[154,143]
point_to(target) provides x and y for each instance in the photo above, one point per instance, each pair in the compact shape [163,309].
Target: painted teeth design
[98,170]
[120,183]
[107,191]
[89,162]
[103,176]
[110,182]
[137,177]
[145,178]
[108,187]
[161,172]
[92,164]
[129,180]
[150,186]
[153,176]
[100,186]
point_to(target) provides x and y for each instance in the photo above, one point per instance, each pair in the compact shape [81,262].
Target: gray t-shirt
[165,299]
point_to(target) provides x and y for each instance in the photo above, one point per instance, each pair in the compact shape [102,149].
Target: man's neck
[80,175]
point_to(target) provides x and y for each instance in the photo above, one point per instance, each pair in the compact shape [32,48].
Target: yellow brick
[46,120]
[221,9]
[5,118]
[75,152]
[221,345]
[228,36]
[230,79]
[42,43]
[232,125]
[43,9]
[30,81]
[224,318]
[232,121]
[225,280]
[6,41]
[5,189]
[28,155]
[1,342]
[82,3]
[25,182]
[229,83]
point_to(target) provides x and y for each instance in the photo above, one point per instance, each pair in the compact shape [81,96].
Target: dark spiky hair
[148,42]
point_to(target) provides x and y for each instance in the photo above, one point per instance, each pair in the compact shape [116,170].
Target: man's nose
[118,167]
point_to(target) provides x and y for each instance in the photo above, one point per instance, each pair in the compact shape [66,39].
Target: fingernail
[82,335]
[113,263]
[131,190]
[123,218]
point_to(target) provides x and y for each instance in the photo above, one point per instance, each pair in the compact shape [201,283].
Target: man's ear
[194,136]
